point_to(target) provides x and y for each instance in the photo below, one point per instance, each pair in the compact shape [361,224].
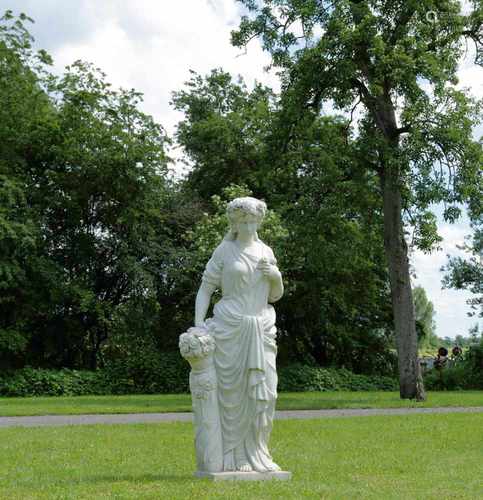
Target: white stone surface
[245,476]
[197,346]
[233,380]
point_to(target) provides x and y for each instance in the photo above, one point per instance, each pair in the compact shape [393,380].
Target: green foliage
[41,382]
[299,378]
[324,221]
[167,373]
[424,315]
[415,130]
[85,202]
[212,228]
[377,54]
[467,274]
[24,110]
[148,373]
[464,374]
[450,379]
[224,132]
[100,252]
[474,363]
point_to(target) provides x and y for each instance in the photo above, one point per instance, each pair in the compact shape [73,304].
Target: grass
[182,402]
[397,457]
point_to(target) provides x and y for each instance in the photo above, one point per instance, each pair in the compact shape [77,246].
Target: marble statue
[233,380]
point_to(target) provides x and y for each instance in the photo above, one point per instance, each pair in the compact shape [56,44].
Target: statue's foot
[244,467]
[273,467]
[241,460]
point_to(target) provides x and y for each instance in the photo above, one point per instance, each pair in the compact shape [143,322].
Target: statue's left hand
[269,270]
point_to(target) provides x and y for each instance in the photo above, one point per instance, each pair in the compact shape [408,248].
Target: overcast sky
[150,45]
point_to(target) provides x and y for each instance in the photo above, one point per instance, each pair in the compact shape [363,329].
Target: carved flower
[196,343]
[199,394]
[201,387]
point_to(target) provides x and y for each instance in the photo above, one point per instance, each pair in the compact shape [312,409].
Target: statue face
[247,226]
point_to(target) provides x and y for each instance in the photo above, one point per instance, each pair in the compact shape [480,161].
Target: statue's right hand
[198,330]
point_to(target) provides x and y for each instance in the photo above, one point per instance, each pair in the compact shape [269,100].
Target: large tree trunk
[410,380]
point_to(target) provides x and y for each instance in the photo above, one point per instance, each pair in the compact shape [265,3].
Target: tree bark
[410,379]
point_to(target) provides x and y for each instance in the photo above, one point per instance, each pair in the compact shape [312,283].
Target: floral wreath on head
[241,207]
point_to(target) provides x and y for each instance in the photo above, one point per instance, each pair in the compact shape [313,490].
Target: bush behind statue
[168,374]
[45,382]
[162,373]
[300,378]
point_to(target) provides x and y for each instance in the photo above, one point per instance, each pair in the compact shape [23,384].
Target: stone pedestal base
[245,476]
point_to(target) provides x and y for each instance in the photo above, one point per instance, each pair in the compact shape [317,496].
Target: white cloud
[151,46]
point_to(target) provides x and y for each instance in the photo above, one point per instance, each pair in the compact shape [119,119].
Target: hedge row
[165,373]
[171,376]
[299,378]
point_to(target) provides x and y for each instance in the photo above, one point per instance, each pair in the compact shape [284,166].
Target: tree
[101,196]
[414,131]
[424,315]
[467,274]
[335,310]
[24,109]
[85,215]
[224,132]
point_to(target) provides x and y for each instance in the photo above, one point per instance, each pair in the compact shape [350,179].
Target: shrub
[152,373]
[464,374]
[43,382]
[474,362]
[168,373]
[450,379]
[299,378]
[160,373]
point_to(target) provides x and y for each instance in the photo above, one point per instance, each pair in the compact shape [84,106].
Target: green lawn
[182,402]
[414,456]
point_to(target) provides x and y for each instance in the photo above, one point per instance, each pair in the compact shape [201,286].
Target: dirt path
[137,418]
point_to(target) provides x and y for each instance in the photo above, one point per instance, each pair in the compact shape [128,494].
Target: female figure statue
[243,328]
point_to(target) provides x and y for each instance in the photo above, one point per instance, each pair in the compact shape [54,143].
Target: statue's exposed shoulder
[219,252]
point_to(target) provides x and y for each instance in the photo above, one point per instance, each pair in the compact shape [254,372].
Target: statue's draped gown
[243,326]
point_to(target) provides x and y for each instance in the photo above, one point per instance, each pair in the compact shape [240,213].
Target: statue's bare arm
[276,287]
[272,272]
[202,304]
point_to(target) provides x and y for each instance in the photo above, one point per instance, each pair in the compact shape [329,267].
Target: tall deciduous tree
[84,192]
[335,310]
[224,132]
[398,59]
[24,109]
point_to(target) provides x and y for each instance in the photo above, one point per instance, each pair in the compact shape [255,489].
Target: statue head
[244,209]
